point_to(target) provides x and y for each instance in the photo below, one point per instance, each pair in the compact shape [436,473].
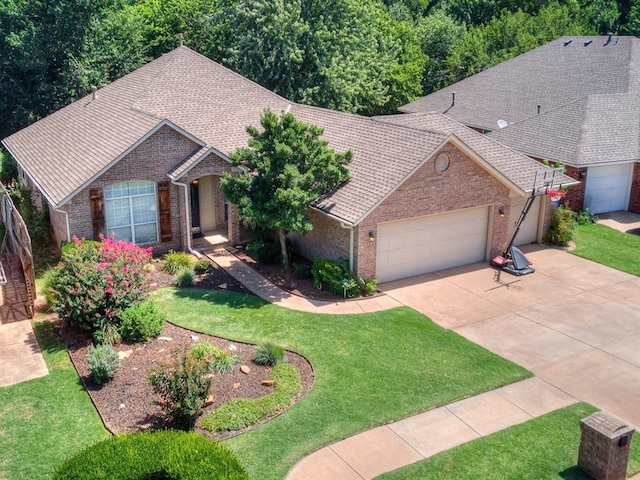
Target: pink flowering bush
[96,281]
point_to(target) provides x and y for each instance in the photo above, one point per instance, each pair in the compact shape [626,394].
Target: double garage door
[608,187]
[406,248]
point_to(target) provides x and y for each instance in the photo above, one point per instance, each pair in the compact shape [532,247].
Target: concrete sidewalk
[266,290]
[374,452]
[20,355]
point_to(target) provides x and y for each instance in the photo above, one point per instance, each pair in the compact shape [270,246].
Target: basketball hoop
[555,195]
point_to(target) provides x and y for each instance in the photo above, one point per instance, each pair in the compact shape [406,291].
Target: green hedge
[161,455]
[240,413]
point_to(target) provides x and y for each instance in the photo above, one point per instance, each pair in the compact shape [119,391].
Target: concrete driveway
[574,323]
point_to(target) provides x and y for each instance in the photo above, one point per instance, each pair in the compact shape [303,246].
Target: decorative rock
[268,383]
[165,339]
[222,286]
[124,354]
[135,369]
[121,406]
[232,348]
[244,369]
[236,386]
[195,338]
[208,401]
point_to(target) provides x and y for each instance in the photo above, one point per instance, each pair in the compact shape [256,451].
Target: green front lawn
[608,246]
[545,448]
[46,420]
[371,369]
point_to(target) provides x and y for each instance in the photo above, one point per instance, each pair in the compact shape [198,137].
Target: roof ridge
[581,143]
[155,78]
[380,119]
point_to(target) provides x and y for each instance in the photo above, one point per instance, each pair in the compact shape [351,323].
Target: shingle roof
[558,73]
[214,105]
[519,169]
[595,129]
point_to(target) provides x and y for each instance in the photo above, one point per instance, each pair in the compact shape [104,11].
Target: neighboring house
[141,160]
[574,101]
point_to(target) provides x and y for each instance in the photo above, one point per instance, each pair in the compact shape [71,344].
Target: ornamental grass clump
[174,262]
[217,359]
[269,354]
[95,282]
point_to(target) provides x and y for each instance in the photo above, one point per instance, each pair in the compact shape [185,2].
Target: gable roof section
[557,73]
[213,105]
[597,129]
[63,151]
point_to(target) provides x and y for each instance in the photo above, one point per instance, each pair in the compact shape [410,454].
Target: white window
[131,211]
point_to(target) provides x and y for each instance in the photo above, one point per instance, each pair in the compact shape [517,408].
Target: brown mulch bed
[286,279]
[127,402]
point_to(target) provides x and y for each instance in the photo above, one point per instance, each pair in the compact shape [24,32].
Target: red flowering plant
[96,281]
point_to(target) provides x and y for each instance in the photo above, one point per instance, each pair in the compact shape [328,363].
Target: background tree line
[361,56]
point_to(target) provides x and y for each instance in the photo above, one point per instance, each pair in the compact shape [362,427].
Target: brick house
[573,101]
[141,159]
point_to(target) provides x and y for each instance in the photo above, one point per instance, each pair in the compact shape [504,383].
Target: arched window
[131,211]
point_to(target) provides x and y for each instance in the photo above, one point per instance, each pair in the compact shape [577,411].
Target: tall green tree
[38,43]
[510,35]
[343,54]
[288,166]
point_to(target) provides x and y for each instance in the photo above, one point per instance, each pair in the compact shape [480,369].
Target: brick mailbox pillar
[604,447]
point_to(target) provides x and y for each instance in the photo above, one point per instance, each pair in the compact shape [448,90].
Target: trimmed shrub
[95,282]
[177,261]
[107,334]
[103,363]
[336,275]
[217,359]
[160,455]
[368,286]
[563,225]
[265,252]
[300,270]
[586,217]
[268,354]
[240,413]
[140,322]
[184,387]
[185,278]
[201,266]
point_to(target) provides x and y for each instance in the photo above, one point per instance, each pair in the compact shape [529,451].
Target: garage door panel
[607,188]
[427,244]
[529,230]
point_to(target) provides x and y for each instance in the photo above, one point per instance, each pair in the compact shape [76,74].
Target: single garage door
[406,248]
[529,230]
[608,188]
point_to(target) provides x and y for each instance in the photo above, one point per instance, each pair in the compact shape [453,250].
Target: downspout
[66,216]
[350,228]
[187,217]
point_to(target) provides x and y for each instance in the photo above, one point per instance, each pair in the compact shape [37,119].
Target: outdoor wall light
[501,212]
[582,174]
[372,236]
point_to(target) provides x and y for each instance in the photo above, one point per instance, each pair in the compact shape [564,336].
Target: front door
[195,207]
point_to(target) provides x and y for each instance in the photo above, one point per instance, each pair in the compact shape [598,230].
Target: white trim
[66,216]
[135,145]
[187,218]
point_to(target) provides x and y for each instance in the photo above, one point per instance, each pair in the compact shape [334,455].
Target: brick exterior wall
[575,195]
[464,185]
[150,161]
[327,239]
[216,166]
[634,198]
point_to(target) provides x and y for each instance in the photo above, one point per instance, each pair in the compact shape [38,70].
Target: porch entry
[209,211]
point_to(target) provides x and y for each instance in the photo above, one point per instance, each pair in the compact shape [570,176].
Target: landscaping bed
[127,402]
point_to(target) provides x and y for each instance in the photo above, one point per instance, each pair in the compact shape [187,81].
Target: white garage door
[426,244]
[529,230]
[608,188]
